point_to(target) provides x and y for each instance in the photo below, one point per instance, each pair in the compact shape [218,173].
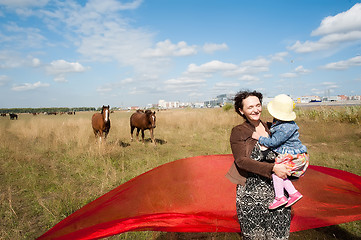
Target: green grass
[50,166]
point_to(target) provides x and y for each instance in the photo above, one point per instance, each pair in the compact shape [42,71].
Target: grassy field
[50,166]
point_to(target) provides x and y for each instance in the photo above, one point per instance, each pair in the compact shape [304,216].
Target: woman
[252,172]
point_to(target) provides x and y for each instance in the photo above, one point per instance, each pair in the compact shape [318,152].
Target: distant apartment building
[198,105]
[343,97]
[358,97]
[166,105]
[330,99]
[307,99]
[219,101]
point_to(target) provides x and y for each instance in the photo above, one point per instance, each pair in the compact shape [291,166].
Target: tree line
[41,110]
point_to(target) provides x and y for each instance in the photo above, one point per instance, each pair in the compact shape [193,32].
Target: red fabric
[193,195]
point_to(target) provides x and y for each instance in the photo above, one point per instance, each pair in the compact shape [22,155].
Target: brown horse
[13,116]
[101,123]
[142,121]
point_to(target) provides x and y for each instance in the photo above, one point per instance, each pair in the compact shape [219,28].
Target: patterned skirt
[297,162]
[256,220]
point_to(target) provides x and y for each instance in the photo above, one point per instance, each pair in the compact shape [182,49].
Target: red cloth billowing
[193,195]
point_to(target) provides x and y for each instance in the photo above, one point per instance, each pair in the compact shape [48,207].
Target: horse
[13,116]
[142,121]
[3,114]
[101,123]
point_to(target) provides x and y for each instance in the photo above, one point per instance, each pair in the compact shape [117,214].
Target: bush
[228,106]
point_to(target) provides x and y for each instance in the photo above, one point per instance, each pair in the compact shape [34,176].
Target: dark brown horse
[13,116]
[101,123]
[142,121]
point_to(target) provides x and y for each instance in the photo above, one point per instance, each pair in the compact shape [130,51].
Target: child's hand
[255,135]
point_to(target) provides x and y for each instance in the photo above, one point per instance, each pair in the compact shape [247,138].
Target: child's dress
[285,141]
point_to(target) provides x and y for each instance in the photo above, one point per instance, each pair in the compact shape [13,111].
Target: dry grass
[51,165]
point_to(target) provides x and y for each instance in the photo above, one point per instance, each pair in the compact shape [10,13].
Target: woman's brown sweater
[242,145]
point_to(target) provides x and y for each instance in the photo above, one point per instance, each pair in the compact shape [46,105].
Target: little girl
[284,140]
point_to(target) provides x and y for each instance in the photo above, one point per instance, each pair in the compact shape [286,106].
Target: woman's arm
[241,142]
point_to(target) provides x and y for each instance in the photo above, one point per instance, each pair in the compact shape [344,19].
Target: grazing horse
[101,123]
[142,121]
[13,116]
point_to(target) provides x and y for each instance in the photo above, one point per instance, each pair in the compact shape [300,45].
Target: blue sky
[134,53]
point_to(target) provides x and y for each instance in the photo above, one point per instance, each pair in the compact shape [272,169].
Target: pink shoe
[294,198]
[278,202]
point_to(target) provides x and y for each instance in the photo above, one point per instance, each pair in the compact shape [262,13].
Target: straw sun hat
[281,107]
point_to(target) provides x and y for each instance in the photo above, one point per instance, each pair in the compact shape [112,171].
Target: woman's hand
[281,170]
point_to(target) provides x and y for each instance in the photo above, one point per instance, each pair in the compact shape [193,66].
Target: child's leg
[288,185]
[280,198]
[278,186]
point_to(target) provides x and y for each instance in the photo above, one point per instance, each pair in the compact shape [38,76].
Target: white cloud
[316,91]
[111,5]
[60,78]
[330,85]
[35,62]
[245,71]
[4,80]
[267,75]
[301,70]
[289,75]
[23,3]
[183,84]
[29,86]
[226,84]
[195,94]
[146,90]
[259,62]
[279,56]
[114,85]
[309,46]
[104,89]
[168,49]
[342,65]
[127,80]
[23,37]
[344,27]
[341,23]
[101,33]
[62,66]
[250,67]
[249,78]
[212,47]
[212,66]
[9,59]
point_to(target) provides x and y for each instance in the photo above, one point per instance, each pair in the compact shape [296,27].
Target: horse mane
[148,111]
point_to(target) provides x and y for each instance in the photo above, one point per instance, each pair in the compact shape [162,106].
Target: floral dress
[252,201]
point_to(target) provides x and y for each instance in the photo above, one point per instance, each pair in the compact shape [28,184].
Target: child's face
[252,108]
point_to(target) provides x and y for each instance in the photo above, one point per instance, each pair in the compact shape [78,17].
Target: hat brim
[279,115]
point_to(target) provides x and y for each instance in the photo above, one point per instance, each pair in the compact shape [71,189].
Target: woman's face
[252,108]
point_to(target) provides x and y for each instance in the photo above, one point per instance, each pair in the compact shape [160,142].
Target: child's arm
[278,137]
